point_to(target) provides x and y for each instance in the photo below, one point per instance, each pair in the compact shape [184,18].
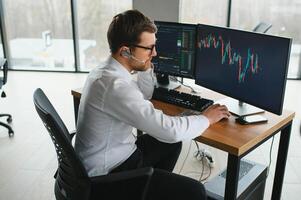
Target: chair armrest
[131,184]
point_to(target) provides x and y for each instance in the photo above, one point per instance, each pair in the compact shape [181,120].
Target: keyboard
[184,100]
[244,168]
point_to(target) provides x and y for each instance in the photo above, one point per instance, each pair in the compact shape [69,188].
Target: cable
[185,157]
[191,88]
[201,158]
[197,145]
[202,173]
[200,179]
[202,154]
[204,179]
[270,161]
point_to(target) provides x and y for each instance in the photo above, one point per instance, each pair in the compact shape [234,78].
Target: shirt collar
[119,68]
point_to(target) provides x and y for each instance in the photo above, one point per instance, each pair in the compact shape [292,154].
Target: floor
[28,161]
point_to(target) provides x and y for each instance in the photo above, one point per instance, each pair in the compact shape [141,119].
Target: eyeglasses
[143,47]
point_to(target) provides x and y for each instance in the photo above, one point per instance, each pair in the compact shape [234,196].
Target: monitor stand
[239,108]
[163,81]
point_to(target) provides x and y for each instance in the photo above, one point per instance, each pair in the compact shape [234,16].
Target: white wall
[161,10]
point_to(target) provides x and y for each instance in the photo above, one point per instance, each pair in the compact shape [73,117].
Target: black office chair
[262,27]
[3,80]
[72,181]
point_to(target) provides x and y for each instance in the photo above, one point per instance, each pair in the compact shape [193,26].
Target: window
[39,34]
[284,15]
[212,12]
[94,18]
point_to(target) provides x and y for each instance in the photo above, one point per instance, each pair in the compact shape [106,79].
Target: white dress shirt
[112,103]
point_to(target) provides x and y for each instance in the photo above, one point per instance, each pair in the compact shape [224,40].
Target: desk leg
[281,161]
[232,177]
[75,106]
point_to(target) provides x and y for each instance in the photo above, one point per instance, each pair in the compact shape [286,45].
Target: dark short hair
[126,28]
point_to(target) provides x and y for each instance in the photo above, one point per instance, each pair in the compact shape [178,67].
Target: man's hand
[216,112]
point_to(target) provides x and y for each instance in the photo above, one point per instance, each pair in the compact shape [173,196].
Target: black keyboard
[184,100]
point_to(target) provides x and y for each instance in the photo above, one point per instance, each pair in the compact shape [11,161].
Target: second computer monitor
[246,66]
[176,45]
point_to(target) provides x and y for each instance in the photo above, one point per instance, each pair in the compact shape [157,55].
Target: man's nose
[154,53]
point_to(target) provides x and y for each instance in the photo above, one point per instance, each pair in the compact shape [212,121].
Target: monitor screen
[176,45]
[247,66]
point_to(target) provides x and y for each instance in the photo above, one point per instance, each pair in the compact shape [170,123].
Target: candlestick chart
[232,57]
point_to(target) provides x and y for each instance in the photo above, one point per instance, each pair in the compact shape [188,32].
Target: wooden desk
[237,140]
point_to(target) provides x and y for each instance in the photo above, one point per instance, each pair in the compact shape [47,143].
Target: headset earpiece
[126,53]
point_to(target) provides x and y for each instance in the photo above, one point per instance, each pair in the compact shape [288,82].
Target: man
[112,103]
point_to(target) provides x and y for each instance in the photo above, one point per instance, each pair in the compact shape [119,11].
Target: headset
[128,54]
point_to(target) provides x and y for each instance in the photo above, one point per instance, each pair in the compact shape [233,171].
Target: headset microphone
[127,54]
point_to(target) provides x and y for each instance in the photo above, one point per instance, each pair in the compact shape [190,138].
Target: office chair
[72,181]
[3,80]
[262,27]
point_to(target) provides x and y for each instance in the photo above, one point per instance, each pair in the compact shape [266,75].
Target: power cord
[185,157]
[202,174]
[204,179]
[202,153]
[191,88]
[181,82]
[202,156]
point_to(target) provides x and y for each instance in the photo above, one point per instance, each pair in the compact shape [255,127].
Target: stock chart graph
[230,56]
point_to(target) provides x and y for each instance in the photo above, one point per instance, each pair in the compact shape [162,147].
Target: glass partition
[94,18]
[39,34]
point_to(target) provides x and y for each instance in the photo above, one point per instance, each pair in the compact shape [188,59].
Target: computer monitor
[176,46]
[249,67]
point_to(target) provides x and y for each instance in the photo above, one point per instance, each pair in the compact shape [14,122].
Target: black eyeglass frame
[143,47]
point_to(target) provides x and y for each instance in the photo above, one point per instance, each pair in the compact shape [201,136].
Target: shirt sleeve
[146,81]
[126,103]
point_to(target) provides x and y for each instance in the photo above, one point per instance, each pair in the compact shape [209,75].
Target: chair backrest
[72,181]
[4,67]
[262,27]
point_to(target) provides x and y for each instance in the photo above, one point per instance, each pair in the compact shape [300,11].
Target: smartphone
[252,119]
